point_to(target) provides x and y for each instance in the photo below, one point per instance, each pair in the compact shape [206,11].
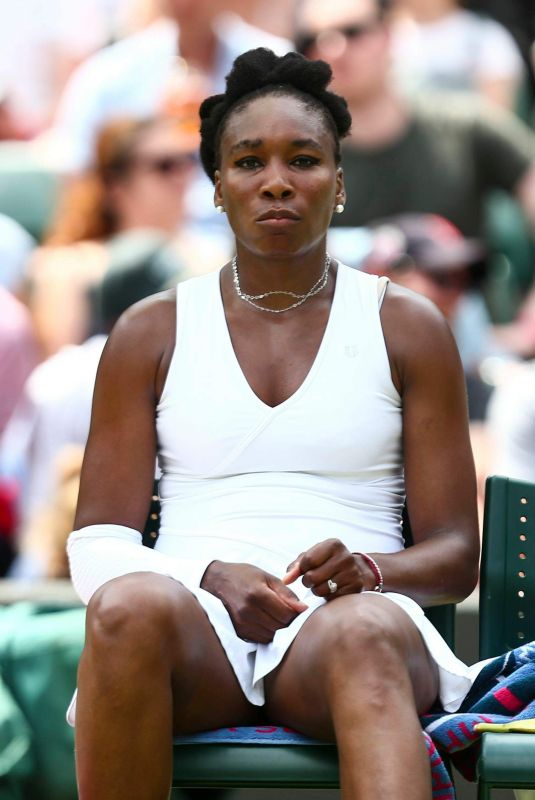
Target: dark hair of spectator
[260,72]
[86,209]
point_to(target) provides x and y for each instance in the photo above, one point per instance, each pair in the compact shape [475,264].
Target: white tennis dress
[245,482]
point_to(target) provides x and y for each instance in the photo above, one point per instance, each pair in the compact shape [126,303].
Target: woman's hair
[260,72]
[85,210]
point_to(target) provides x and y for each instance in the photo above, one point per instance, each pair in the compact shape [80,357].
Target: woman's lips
[278,222]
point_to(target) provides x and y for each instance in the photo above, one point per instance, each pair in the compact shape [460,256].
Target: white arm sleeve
[99,553]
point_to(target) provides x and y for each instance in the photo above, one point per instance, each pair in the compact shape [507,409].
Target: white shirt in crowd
[132,76]
[511,423]
[53,411]
[458,51]
[39,41]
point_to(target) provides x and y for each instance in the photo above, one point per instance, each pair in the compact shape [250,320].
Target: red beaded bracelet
[374,566]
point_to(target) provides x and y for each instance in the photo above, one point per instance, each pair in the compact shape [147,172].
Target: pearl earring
[220,209]
[339,208]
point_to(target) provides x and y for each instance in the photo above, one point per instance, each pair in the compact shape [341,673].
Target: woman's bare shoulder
[145,332]
[417,335]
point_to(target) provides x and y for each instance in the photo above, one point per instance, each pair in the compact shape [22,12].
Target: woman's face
[151,193]
[278,180]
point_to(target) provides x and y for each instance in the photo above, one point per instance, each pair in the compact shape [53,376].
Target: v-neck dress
[246,482]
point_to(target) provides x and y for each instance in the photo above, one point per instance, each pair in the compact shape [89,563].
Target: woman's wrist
[208,576]
[372,569]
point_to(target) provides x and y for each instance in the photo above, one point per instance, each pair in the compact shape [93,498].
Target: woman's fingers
[292,574]
[285,601]
[339,575]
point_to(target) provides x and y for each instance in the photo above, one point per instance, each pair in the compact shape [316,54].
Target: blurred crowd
[103,202]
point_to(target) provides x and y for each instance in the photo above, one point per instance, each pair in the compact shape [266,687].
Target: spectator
[517,16]
[41,42]
[511,422]
[18,352]
[441,155]
[47,532]
[141,171]
[439,44]
[134,75]
[55,409]
[275,16]
[16,246]
[429,255]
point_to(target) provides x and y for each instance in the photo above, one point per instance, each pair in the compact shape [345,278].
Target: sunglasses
[166,165]
[306,41]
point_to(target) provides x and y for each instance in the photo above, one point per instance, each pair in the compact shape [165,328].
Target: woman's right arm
[117,479]
[118,470]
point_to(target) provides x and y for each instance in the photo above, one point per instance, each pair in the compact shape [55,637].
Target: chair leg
[483,791]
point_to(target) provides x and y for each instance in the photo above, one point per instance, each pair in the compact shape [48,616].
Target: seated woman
[291,411]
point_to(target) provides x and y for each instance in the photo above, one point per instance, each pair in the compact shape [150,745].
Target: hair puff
[259,72]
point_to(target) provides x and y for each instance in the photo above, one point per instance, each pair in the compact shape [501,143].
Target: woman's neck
[298,274]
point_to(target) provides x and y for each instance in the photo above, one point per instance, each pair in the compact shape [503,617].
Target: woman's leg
[358,672]
[152,665]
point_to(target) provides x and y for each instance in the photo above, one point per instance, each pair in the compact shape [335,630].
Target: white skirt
[252,662]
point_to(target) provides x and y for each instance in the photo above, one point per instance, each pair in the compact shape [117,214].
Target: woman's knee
[140,607]
[375,644]
[358,629]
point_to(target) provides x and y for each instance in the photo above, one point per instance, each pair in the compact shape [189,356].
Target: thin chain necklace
[300,298]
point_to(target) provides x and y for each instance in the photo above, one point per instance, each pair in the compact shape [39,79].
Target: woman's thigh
[148,633]
[352,642]
[206,691]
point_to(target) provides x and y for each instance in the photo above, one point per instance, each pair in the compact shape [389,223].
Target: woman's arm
[440,479]
[117,479]
[119,462]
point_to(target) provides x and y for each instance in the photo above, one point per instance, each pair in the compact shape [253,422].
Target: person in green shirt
[441,154]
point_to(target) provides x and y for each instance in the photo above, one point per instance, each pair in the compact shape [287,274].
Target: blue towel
[504,691]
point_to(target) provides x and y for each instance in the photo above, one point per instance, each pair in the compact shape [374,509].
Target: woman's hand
[330,560]
[258,603]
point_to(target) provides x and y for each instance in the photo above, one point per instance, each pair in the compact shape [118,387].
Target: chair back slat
[507,586]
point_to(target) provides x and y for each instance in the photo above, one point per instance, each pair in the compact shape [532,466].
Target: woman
[279,417]
[141,172]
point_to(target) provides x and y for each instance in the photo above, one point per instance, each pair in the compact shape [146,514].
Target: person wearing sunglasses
[440,154]
[139,177]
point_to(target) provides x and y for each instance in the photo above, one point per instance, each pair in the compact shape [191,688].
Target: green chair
[265,765]
[507,618]
[252,765]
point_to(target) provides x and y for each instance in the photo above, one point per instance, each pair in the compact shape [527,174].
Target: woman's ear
[340,187]
[218,198]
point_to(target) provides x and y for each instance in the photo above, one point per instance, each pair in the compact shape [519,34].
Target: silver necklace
[300,298]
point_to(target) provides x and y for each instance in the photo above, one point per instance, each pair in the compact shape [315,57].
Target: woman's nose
[276,183]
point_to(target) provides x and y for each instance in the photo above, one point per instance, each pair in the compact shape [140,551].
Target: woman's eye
[305,161]
[250,162]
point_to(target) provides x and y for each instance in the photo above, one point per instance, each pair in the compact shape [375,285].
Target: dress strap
[382,283]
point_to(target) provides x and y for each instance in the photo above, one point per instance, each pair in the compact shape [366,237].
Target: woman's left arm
[440,479]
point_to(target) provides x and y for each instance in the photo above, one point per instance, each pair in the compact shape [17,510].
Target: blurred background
[103,202]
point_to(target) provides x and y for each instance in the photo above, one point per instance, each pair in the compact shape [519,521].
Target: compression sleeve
[99,553]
